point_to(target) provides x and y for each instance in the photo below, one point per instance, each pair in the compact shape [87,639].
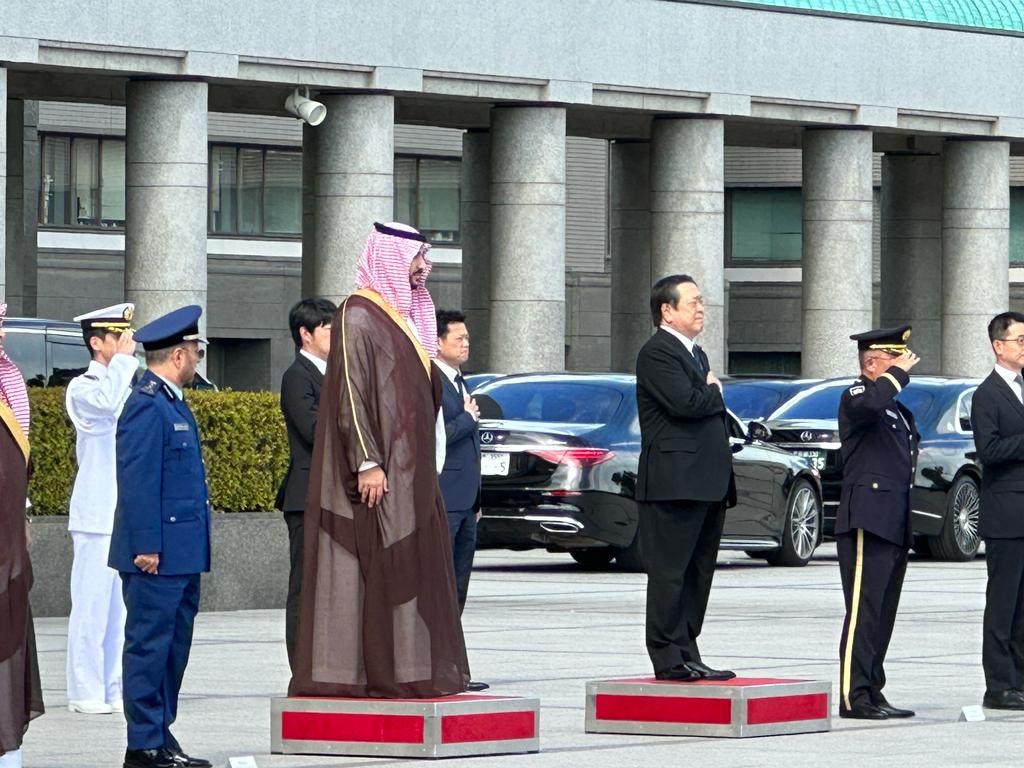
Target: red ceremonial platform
[737,708]
[452,726]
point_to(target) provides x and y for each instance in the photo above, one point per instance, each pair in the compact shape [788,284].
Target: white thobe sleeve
[440,441]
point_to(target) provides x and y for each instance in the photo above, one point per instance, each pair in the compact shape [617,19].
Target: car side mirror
[758,431]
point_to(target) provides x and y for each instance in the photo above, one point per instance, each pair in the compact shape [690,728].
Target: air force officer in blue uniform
[161,537]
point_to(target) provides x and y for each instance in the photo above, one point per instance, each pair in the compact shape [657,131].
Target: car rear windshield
[755,400]
[824,403]
[565,402]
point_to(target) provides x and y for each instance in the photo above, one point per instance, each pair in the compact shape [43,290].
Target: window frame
[74,226]
[415,204]
[760,263]
[263,149]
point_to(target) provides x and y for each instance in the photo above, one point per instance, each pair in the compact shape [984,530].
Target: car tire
[629,558]
[959,540]
[923,546]
[593,557]
[801,533]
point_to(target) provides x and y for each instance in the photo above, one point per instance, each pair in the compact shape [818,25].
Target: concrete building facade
[560,157]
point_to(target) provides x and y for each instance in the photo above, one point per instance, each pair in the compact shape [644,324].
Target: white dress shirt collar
[447,370]
[1012,378]
[174,387]
[321,365]
[687,341]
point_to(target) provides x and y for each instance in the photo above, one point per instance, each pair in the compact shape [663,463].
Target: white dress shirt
[1013,378]
[94,401]
[321,365]
[687,341]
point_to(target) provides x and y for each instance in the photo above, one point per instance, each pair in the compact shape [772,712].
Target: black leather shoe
[881,702]
[475,685]
[863,712]
[1008,699]
[707,673]
[149,758]
[181,760]
[681,673]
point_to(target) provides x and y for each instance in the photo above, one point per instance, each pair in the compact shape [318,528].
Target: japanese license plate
[816,458]
[494,463]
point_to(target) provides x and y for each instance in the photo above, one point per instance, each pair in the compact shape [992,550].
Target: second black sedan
[560,464]
[945,496]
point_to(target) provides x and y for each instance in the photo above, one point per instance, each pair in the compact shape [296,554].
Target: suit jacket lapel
[311,368]
[679,350]
[1003,388]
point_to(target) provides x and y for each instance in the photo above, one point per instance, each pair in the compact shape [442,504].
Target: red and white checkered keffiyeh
[384,268]
[12,385]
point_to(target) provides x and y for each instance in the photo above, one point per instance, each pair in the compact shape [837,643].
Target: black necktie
[460,384]
[697,358]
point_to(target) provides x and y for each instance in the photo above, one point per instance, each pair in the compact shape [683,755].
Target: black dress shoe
[149,758]
[707,673]
[881,702]
[1008,699]
[181,760]
[681,673]
[475,685]
[863,712]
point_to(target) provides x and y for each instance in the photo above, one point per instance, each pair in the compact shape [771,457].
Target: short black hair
[310,314]
[90,333]
[664,292]
[446,317]
[1000,324]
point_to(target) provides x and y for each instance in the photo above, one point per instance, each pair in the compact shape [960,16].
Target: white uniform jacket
[94,401]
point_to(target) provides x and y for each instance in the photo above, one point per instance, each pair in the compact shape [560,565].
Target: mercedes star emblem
[806,436]
[487,437]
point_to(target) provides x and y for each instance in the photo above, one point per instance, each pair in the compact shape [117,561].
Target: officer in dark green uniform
[873,530]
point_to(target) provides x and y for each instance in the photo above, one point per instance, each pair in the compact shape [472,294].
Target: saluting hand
[147,563]
[125,343]
[906,361]
[373,484]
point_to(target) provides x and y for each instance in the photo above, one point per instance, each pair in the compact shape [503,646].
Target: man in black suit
[997,415]
[310,325]
[460,477]
[685,479]
[873,531]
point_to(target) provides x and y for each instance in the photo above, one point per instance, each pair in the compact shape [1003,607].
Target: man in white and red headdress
[379,614]
[20,693]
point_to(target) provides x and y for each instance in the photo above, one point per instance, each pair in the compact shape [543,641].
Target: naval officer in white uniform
[94,401]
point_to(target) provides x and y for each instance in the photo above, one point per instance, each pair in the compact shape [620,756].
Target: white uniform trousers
[96,625]
[11,759]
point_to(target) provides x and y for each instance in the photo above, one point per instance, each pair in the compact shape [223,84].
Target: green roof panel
[1001,15]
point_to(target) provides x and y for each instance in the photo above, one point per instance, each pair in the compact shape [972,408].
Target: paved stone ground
[539,625]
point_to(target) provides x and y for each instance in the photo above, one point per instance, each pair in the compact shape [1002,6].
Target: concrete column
[912,252]
[476,245]
[688,216]
[630,246]
[975,251]
[355,169]
[527,239]
[15,210]
[165,196]
[837,221]
[309,134]
[30,209]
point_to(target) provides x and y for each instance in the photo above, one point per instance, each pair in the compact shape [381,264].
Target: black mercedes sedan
[945,496]
[757,397]
[559,467]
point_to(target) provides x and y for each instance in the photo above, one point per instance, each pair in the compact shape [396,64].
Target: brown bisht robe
[379,615]
[21,697]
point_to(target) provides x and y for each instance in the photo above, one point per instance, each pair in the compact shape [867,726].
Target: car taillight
[576,457]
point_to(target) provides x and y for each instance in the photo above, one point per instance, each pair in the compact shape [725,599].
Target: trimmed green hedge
[245,448]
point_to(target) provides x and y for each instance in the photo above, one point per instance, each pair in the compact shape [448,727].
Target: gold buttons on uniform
[875,486]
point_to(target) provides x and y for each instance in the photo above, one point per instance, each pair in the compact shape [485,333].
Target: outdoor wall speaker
[304,108]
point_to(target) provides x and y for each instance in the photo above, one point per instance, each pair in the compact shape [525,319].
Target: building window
[764,225]
[82,182]
[1016,225]
[255,191]
[427,197]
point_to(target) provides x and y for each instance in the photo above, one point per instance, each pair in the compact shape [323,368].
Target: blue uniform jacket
[161,484]
[879,454]
[460,479]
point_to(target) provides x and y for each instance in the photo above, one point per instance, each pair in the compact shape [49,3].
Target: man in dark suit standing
[460,477]
[873,530]
[685,479]
[997,415]
[310,325]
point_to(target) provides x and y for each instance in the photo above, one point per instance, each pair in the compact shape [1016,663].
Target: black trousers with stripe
[1002,650]
[872,571]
